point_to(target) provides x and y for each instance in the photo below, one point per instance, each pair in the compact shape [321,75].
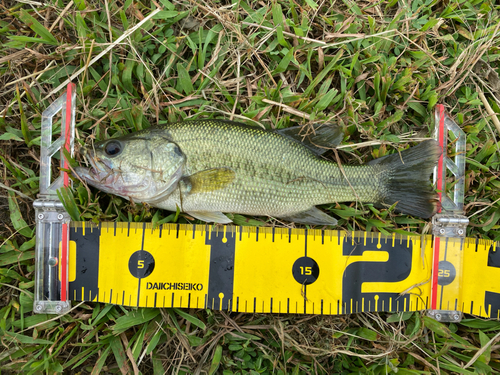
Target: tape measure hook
[450,221]
[444,125]
[52,220]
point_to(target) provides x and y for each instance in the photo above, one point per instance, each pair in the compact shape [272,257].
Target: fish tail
[407,179]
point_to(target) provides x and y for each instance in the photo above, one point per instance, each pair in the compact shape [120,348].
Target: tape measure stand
[52,220]
[449,224]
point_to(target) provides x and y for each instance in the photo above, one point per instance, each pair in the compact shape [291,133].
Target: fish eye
[113,148]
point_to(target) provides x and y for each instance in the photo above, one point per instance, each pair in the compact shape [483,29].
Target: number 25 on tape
[444,273]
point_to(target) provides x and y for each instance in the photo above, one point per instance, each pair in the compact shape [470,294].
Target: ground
[377,69]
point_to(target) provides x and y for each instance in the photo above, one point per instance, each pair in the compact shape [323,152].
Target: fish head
[143,167]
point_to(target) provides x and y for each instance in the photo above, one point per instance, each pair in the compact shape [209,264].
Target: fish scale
[275,175]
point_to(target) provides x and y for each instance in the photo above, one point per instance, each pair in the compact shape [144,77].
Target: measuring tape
[278,270]
[262,269]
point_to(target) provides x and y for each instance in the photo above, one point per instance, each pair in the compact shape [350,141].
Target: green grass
[377,69]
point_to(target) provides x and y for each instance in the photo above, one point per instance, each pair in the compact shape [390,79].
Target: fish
[209,168]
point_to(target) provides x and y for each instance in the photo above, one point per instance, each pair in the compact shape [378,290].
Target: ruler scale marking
[141,259]
[442,286]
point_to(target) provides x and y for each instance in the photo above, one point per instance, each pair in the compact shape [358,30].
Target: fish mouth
[98,170]
[100,174]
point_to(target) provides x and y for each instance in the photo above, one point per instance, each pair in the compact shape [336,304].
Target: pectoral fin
[210,180]
[313,217]
[210,217]
[318,139]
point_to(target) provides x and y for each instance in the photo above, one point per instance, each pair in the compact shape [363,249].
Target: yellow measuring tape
[278,270]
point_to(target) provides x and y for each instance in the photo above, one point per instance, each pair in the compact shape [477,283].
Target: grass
[375,68]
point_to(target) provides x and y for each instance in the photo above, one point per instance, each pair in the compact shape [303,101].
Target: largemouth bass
[207,168]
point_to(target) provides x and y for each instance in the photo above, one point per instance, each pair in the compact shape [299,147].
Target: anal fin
[313,216]
[211,217]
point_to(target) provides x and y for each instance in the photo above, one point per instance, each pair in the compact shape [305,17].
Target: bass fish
[210,167]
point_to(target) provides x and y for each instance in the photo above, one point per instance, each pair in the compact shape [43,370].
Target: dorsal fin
[317,137]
